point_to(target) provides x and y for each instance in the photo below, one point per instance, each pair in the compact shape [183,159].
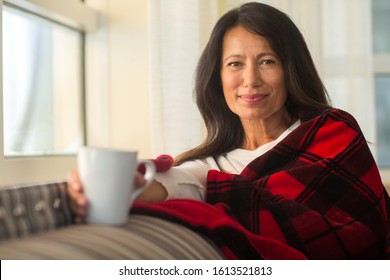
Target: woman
[282,173]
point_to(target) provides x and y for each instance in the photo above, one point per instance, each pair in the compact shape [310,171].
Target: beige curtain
[348,56]
[176,34]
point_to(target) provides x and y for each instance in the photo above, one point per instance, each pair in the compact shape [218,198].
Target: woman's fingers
[139,179]
[77,200]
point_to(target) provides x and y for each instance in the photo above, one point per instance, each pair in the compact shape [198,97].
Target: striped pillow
[27,210]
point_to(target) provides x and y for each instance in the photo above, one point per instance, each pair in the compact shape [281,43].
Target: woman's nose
[252,76]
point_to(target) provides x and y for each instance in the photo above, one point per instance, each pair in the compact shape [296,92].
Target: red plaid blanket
[316,195]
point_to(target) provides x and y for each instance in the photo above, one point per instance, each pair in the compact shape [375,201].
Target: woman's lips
[253,98]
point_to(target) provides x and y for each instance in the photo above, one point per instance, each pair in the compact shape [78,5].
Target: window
[42,85]
[381,47]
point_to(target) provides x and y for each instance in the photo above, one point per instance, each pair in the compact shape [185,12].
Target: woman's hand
[78,201]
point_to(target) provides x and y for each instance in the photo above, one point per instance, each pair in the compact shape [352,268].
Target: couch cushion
[142,238]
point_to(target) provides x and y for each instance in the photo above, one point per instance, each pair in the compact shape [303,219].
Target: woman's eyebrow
[258,56]
[266,54]
[232,56]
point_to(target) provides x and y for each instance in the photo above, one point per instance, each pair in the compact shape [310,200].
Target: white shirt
[189,180]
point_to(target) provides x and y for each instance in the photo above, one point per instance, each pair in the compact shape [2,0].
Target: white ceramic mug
[107,176]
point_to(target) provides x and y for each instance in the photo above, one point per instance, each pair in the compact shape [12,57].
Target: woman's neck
[260,132]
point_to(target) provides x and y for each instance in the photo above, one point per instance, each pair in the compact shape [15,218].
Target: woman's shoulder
[332,116]
[331,112]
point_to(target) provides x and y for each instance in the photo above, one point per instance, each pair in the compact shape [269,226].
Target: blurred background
[119,73]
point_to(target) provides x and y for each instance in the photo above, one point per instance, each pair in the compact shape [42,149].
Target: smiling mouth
[253,98]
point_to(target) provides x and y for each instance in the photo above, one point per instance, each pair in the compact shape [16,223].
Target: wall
[117,79]
[130,123]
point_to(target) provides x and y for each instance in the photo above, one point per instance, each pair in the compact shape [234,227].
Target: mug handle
[150,172]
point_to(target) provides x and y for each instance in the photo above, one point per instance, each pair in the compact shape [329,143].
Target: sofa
[36,223]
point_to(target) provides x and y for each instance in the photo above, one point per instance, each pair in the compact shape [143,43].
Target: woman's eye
[267,62]
[234,64]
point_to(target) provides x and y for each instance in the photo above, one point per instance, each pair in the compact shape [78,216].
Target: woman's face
[252,76]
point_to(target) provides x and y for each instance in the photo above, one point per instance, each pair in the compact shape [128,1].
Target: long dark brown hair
[306,91]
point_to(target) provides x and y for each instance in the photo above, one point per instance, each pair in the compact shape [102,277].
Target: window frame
[381,66]
[28,170]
